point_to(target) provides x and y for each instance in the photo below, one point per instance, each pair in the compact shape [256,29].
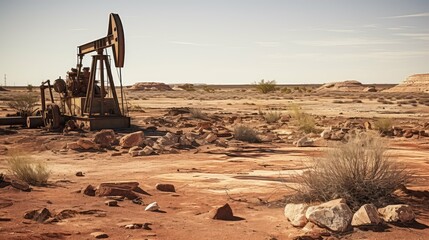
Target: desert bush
[246,134]
[29,87]
[197,113]
[383,124]
[24,104]
[272,116]
[24,168]
[359,171]
[188,87]
[303,120]
[286,90]
[265,86]
[209,89]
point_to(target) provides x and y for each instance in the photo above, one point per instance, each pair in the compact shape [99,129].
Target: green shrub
[24,168]
[265,86]
[304,121]
[358,171]
[246,134]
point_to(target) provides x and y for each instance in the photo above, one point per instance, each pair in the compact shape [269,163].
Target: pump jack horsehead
[82,100]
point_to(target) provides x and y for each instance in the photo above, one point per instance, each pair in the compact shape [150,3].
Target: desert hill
[345,86]
[151,86]
[413,83]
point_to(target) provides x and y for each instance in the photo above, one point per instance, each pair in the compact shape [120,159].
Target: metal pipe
[12,121]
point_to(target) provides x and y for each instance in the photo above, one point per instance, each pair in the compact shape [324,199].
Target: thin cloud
[78,29]
[268,44]
[418,36]
[424,14]
[344,42]
[191,43]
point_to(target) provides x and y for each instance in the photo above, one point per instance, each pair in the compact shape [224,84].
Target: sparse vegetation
[286,90]
[197,113]
[24,104]
[266,86]
[383,124]
[303,120]
[359,171]
[209,89]
[272,116]
[24,168]
[188,87]
[29,87]
[246,134]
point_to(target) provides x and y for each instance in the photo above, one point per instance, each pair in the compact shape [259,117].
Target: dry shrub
[26,169]
[383,124]
[266,86]
[188,87]
[197,113]
[24,104]
[304,121]
[272,116]
[246,134]
[209,89]
[359,171]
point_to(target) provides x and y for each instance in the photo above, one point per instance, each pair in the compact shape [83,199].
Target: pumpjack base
[99,122]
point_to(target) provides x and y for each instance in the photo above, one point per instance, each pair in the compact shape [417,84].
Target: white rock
[366,215]
[295,213]
[152,207]
[326,134]
[304,142]
[397,213]
[211,137]
[334,215]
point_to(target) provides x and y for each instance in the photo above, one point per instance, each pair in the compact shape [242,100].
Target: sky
[222,41]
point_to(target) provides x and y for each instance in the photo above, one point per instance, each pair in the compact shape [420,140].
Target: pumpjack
[88,95]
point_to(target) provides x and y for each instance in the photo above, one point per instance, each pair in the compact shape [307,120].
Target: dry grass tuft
[383,124]
[304,121]
[197,113]
[265,86]
[246,134]
[359,171]
[272,116]
[26,169]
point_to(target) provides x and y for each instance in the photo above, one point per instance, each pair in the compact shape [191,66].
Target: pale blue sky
[222,42]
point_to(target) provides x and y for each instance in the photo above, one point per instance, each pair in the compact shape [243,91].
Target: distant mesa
[150,86]
[345,86]
[413,83]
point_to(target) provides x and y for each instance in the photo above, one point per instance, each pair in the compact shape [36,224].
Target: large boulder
[295,213]
[334,215]
[397,213]
[366,215]
[124,189]
[132,139]
[222,213]
[87,144]
[39,215]
[105,137]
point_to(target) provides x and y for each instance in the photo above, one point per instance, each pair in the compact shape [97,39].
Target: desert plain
[255,179]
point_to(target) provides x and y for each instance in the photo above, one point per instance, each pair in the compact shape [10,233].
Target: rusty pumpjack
[82,100]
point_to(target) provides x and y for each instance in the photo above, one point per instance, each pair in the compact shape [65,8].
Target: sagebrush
[383,124]
[246,134]
[25,168]
[272,116]
[197,113]
[24,104]
[359,171]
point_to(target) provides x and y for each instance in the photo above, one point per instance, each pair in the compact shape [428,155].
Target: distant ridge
[413,83]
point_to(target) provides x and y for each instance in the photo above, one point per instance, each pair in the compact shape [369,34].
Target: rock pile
[336,216]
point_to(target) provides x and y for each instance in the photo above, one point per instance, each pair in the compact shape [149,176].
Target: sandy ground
[252,178]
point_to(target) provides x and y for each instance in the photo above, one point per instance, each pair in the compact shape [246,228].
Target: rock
[73,146]
[134,151]
[304,142]
[146,151]
[370,89]
[326,134]
[211,137]
[222,213]
[39,215]
[115,154]
[334,215]
[165,187]
[397,213]
[408,133]
[338,135]
[152,207]
[89,190]
[87,144]
[111,203]
[132,139]
[79,174]
[366,215]
[21,185]
[295,213]
[99,235]
[118,189]
[367,125]
[105,137]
